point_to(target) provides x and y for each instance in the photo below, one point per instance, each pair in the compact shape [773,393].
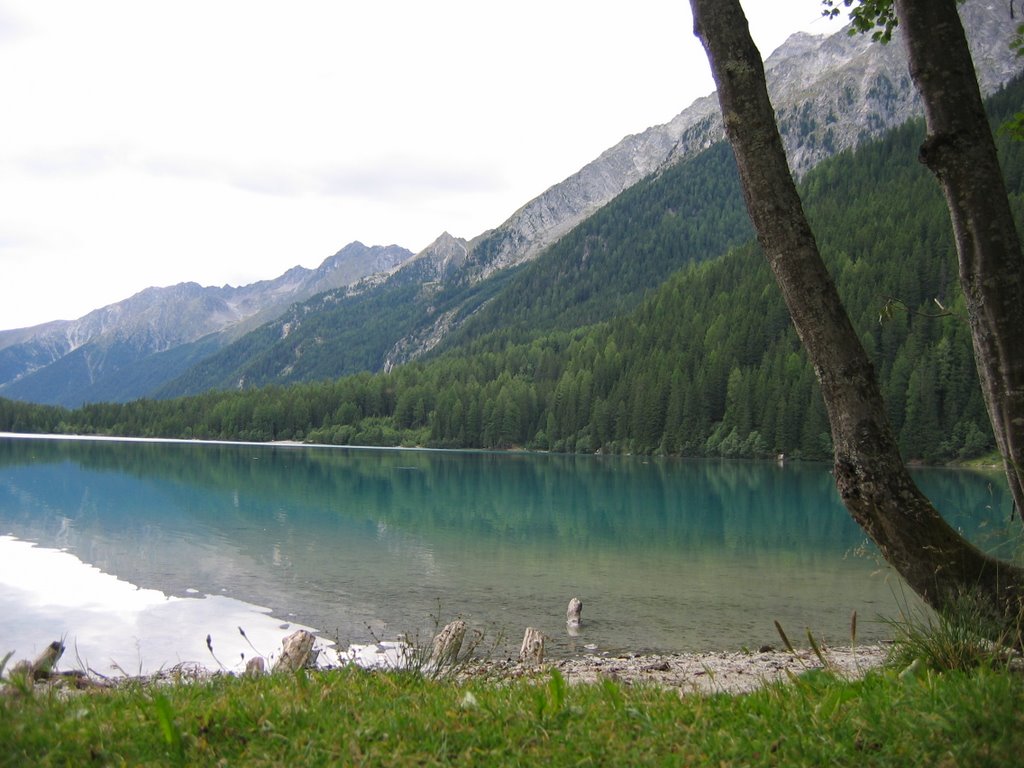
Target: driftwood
[448,644]
[297,652]
[532,650]
[43,667]
[573,616]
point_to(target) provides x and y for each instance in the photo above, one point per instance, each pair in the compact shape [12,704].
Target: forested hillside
[693,211]
[689,212]
[707,365]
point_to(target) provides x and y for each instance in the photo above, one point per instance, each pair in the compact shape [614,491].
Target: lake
[136,551]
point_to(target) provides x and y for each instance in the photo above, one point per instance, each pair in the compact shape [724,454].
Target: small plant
[792,650]
[209,646]
[169,730]
[452,648]
[785,638]
[550,701]
[816,647]
[19,676]
[962,637]
[246,638]
[817,650]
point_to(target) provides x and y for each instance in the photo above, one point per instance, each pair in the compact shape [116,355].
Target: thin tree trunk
[870,475]
[961,152]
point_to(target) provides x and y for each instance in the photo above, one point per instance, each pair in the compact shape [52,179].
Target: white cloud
[148,143]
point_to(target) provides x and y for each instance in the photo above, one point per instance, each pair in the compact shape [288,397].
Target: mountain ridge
[866,90]
[156,320]
[706,365]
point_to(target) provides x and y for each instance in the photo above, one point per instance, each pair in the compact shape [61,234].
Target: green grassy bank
[353,717]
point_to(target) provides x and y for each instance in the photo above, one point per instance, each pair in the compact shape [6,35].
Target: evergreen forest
[653,328]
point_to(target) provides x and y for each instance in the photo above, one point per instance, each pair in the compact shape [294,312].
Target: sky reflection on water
[114,627]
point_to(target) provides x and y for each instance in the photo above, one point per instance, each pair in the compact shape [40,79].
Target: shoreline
[698,673]
[981,464]
[708,672]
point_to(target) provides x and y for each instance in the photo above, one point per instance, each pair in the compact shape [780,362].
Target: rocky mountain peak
[442,258]
[356,261]
[831,92]
[156,320]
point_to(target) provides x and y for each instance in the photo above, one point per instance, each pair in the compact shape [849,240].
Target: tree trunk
[872,480]
[961,152]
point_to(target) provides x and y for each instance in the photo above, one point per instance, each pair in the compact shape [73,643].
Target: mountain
[551,264]
[594,271]
[707,364]
[831,93]
[127,349]
[559,263]
[346,330]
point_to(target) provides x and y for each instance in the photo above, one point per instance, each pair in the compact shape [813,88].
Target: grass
[947,698]
[965,635]
[354,717]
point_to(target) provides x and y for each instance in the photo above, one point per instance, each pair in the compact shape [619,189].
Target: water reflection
[112,627]
[668,555]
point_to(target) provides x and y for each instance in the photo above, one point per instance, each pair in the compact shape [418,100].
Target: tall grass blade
[816,649]
[168,728]
[785,639]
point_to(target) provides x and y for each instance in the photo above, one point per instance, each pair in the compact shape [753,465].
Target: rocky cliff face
[830,93]
[441,260]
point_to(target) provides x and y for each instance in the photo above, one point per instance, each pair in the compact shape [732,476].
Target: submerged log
[573,616]
[448,644]
[532,650]
[297,652]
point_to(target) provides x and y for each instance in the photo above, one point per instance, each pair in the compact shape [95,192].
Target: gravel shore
[711,672]
[716,672]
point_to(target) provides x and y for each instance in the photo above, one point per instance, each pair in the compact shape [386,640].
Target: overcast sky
[224,141]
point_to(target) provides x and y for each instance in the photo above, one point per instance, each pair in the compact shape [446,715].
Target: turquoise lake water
[666,555]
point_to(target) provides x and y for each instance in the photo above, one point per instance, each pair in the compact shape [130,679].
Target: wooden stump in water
[447,644]
[532,650]
[573,616]
[297,652]
[42,668]
[255,666]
